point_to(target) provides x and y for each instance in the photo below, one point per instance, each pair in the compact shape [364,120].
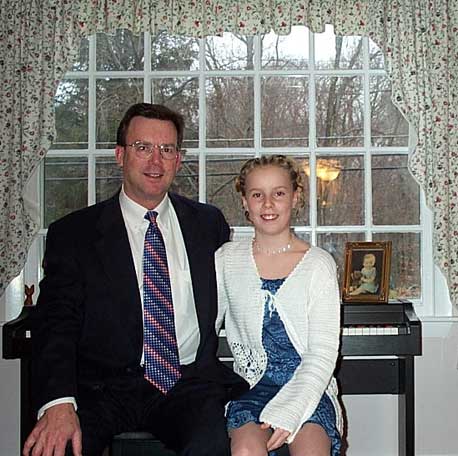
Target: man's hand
[277,439]
[54,429]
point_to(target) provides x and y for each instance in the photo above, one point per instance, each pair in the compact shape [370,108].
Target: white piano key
[370,331]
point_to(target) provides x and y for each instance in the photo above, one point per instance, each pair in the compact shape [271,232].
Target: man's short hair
[150,111]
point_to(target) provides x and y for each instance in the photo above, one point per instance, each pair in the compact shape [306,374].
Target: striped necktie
[162,364]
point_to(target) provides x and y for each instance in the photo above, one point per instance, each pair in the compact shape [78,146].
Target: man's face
[147,181]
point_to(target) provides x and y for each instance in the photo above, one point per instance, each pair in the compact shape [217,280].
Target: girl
[279,299]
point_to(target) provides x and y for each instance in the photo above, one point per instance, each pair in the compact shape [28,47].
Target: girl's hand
[278,437]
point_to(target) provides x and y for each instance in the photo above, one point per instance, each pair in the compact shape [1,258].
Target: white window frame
[434,301]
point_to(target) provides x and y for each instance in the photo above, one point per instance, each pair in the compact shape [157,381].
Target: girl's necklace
[257,248]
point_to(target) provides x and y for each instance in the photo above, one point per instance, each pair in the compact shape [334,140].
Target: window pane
[339,111]
[186,182]
[174,52]
[338,52]
[301,216]
[241,235]
[230,112]
[388,126]
[304,235]
[120,51]
[286,52]
[340,190]
[395,194]
[182,95]
[65,186]
[42,248]
[405,278]
[284,111]
[334,243]
[108,178]
[114,96]
[229,52]
[71,108]
[82,59]
[221,173]
[376,59]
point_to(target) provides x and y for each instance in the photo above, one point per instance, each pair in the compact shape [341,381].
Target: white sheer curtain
[419,39]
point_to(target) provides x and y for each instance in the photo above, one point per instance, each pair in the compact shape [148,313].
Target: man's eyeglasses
[145,150]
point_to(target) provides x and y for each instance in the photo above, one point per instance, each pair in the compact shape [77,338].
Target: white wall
[9,406]
[437,391]
[372,420]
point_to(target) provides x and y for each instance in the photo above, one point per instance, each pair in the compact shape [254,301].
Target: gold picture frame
[367,272]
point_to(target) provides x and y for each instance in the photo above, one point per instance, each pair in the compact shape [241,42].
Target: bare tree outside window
[316,97]
[71,108]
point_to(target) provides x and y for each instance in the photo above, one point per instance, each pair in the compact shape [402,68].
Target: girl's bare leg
[311,440]
[249,440]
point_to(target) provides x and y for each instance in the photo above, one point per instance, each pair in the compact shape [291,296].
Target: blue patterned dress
[282,361]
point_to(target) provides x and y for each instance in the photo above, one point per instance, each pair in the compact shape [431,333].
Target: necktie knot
[151,216]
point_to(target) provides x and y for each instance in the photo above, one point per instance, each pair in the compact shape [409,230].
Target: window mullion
[367,143]
[313,215]
[257,124]
[92,119]
[147,78]
[202,123]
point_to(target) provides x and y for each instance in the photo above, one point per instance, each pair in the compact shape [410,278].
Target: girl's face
[269,199]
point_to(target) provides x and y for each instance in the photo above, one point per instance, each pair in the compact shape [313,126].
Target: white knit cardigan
[309,306]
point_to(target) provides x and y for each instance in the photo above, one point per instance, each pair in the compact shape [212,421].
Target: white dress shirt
[186,323]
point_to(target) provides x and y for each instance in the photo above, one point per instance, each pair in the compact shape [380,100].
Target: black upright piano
[378,346]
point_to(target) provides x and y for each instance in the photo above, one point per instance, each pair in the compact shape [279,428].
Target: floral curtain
[420,42]
[36,39]
[200,18]
[419,39]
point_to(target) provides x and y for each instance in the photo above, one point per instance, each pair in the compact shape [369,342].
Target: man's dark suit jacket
[89,315]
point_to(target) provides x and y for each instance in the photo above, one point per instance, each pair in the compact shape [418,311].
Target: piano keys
[380,329]
[374,330]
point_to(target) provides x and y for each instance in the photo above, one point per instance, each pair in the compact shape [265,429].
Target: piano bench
[144,444]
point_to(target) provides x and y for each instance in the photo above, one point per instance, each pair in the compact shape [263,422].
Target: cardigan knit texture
[308,304]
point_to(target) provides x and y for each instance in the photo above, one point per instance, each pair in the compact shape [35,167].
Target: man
[106,273]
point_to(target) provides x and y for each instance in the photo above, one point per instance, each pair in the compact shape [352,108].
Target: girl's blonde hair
[280,161]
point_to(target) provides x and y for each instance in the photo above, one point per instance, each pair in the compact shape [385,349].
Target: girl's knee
[248,447]
[247,451]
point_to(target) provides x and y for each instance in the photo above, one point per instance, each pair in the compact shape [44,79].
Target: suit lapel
[114,251]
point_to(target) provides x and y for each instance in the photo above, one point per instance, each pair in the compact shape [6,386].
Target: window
[320,98]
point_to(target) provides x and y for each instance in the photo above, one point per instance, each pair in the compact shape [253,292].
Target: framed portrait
[366,272]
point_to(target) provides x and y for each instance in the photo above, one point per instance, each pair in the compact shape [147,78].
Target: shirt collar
[135,213]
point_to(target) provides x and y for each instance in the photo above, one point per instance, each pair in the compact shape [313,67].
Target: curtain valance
[200,18]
